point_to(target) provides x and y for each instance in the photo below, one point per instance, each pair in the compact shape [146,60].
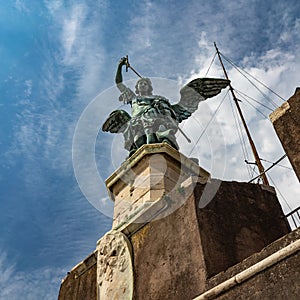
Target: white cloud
[155,31]
[21,6]
[174,40]
[53,5]
[48,126]
[273,64]
[78,28]
[276,68]
[143,25]
[28,90]
[72,34]
[141,40]
[32,285]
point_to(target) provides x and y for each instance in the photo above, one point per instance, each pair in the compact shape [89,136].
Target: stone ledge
[155,149]
[279,112]
[255,258]
[83,266]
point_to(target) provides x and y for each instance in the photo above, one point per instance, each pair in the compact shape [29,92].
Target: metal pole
[273,165]
[255,153]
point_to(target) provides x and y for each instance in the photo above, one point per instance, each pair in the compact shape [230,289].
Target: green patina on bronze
[153,118]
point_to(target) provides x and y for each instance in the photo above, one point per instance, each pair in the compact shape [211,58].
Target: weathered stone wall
[168,258]
[242,219]
[286,121]
[81,281]
[174,256]
[279,281]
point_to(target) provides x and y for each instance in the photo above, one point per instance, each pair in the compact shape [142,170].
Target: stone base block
[148,176]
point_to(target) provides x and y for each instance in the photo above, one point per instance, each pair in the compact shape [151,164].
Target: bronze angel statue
[153,118]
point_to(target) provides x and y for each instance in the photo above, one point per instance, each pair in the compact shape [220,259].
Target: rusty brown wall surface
[280,281]
[242,219]
[286,121]
[255,258]
[81,288]
[168,263]
[175,256]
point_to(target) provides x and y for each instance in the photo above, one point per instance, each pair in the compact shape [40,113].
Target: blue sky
[58,60]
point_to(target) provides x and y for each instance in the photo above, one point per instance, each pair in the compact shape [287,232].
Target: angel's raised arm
[127,94]
[119,77]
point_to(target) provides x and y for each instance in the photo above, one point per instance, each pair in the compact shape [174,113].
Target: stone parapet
[81,281]
[286,121]
[272,273]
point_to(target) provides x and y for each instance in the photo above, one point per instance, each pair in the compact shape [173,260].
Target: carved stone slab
[114,267]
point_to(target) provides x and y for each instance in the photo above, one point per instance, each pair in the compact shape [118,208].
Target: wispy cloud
[72,34]
[276,68]
[34,285]
[21,6]
[41,145]
[143,25]
[50,108]
[79,31]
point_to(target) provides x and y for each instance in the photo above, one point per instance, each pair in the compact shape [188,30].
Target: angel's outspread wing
[196,91]
[116,122]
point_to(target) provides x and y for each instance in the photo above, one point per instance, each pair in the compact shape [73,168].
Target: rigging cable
[273,103]
[254,107]
[284,199]
[253,172]
[253,84]
[274,164]
[212,117]
[264,85]
[245,95]
[210,64]
[277,164]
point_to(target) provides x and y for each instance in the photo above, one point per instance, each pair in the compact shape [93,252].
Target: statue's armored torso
[156,105]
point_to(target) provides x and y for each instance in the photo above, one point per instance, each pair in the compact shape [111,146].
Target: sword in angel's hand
[128,66]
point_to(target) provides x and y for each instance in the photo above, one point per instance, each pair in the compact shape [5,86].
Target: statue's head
[144,87]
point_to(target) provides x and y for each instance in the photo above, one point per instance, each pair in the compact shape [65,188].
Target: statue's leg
[150,136]
[128,140]
[139,140]
[165,135]
[170,139]
[149,128]
[137,135]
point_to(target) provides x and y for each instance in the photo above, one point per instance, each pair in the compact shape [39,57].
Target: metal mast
[261,169]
